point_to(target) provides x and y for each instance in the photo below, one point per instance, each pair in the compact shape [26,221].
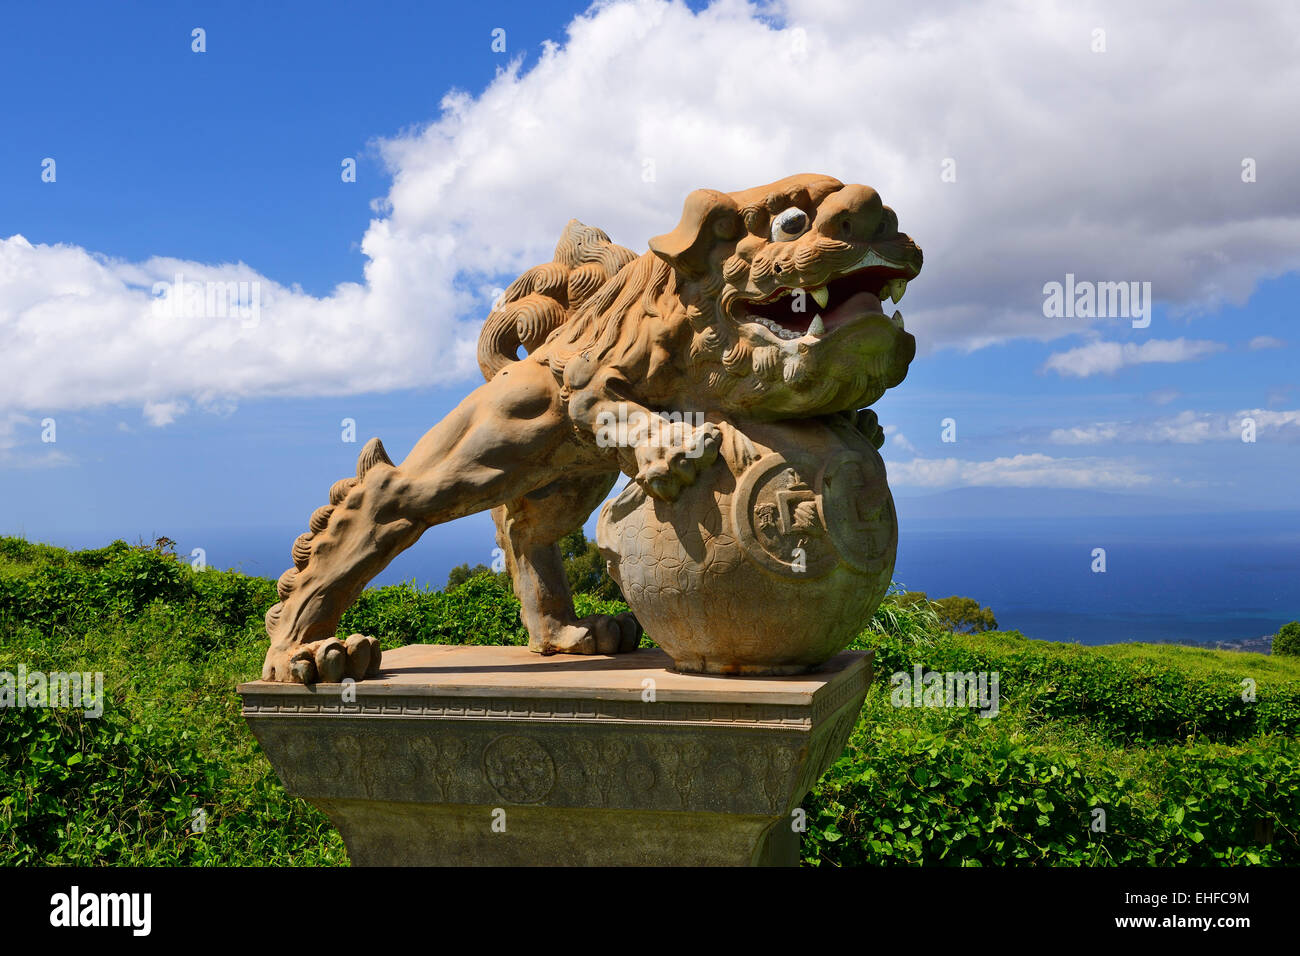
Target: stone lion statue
[761,306]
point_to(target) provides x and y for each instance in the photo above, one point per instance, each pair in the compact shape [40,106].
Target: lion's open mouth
[822,309]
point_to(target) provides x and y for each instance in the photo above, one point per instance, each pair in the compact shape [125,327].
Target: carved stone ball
[772,562]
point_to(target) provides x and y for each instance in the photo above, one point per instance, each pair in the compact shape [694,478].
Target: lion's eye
[790,224]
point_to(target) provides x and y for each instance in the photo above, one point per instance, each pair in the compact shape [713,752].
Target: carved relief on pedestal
[640,777]
[770,767]
[602,761]
[680,761]
[520,769]
[441,757]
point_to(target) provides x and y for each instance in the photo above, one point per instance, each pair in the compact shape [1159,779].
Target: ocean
[1201,578]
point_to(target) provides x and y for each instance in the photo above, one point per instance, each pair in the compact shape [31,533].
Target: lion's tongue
[860,303]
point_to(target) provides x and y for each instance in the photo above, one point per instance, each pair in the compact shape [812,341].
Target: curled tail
[544,297]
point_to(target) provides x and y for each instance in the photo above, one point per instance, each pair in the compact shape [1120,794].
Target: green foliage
[482,610]
[125,788]
[898,629]
[463,572]
[950,788]
[961,614]
[232,600]
[964,614]
[122,788]
[585,568]
[133,578]
[1158,737]
[1158,693]
[55,588]
[1188,766]
[1287,640]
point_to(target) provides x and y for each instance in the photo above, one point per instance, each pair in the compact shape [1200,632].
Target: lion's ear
[708,219]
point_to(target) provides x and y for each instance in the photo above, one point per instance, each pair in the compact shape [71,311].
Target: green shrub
[463,572]
[1155,696]
[132,578]
[52,595]
[961,614]
[82,790]
[92,559]
[17,550]
[1287,640]
[231,599]
[128,788]
[952,789]
[482,610]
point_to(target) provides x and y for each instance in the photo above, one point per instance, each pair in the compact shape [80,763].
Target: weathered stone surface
[762,305]
[589,761]
[771,562]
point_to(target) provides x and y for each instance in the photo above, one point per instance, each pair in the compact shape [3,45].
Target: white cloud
[1110,357]
[1266,342]
[81,330]
[899,440]
[163,413]
[1061,167]
[1020,471]
[1186,428]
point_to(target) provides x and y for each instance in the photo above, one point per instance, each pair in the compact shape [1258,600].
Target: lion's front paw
[596,634]
[677,458]
[327,661]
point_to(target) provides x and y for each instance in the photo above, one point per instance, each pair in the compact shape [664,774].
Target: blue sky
[220,156]
[469,161]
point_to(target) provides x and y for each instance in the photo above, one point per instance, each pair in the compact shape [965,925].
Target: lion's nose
[854,213]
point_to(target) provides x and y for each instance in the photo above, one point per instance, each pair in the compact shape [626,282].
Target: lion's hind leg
[506,438]
[343,548]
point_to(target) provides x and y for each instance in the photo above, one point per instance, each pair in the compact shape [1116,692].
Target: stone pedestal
[463,755]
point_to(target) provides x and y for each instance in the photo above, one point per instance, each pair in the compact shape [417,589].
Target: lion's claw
[329,661]
[595,634]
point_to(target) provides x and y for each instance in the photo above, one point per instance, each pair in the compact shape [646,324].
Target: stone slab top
[468,670]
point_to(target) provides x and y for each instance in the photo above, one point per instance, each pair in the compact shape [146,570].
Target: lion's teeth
[896,289]
[776,328]
[780,331]
[897,319]
[884,293]
[821,296]
[817,327]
